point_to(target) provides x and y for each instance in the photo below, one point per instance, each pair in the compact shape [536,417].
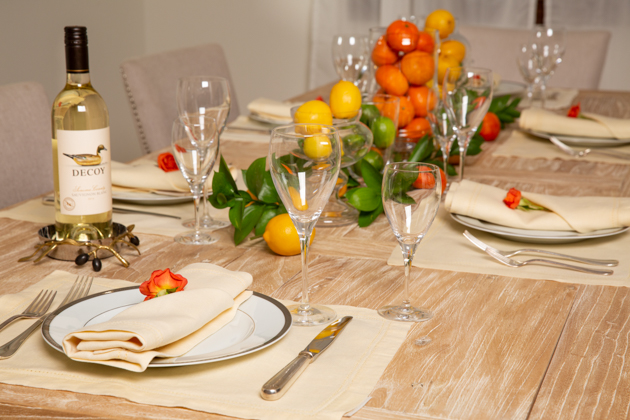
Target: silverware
[483,247]
[48,200]
[278,385]
[37,308]
[581,153]
[80,288]
[540,261]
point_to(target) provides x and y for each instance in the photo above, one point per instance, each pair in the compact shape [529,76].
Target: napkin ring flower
[515,200]
[166,162]
[575,112]
[162,282]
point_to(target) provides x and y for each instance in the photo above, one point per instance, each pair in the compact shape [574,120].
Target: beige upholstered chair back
[151,83]
[582,63]
[25,143]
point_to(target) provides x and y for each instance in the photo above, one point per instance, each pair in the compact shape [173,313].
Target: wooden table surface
[500,347]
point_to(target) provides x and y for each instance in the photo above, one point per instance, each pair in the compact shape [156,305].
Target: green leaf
[222,185]
[251,215]
[403,198]
[372,178]
[268,192]
[244,174]
[364,199]
[245,196]
[224,169]
[255,174]
[269,213]
[218,201]
[474,148]
[421,150]
[236,213]
[402,182]
[450,169]
[367,217]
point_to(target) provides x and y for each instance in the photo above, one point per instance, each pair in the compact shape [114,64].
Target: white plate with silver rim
[149,198]
[259,322]
[507,87]
[534,236]
[580,141]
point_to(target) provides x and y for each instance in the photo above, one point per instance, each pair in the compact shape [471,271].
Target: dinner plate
[149,198]
[259,322]
[507,87]
[534,236]
[269,120]
[580,141]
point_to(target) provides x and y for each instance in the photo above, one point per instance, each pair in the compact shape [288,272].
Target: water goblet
[441,120]
[411,198]
[528,66]
[467,94]
[548,48]
[351,54]
[205,96]
[304,164]
[195,147]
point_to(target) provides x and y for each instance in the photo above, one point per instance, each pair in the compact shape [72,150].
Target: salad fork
[581,153]
[37,308]
[484,247]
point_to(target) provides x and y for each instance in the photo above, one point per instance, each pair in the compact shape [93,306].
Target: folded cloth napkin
[268,108]
[594,126]
[148,177]
[581,214]
[167,326]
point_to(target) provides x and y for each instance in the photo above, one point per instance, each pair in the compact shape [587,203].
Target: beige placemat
[445,248]
[340,380]
[527,146]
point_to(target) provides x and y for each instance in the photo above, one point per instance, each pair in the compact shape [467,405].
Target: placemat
[340,380]
[445,248]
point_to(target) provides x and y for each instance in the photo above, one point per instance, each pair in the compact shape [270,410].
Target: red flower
[162,282]
[167,163]
[513,198]
[574,112]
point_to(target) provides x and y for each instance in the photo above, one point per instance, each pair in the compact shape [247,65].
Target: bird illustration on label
[88,159]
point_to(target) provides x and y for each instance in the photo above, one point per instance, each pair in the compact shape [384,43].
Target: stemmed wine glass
[441,120]
[467,94]
[411,198]
[304,164]
[195,147]
[351,54]
[205,96]
[528,66]
[548,48]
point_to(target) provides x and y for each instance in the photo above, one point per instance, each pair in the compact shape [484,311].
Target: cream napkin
[581,214]
[268,108]
[148,177]
[597,126]
[167,326]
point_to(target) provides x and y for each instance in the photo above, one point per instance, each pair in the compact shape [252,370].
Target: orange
[405,112]
[426,42]
[417,67]
[454,49]
[490,127]
[402,36]
[388,108]
[391,79]
[417,128]
[421,99]
[282,237]
[382,54]
[441,20]
[425,180]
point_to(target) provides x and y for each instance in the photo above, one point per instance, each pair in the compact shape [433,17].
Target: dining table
[498,346]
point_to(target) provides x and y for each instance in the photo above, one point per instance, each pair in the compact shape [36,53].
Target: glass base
[338,213]
[314,315]
[195,238]
[206,223]
[404,313]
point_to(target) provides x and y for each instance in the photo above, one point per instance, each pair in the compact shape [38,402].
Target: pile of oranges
[406,66]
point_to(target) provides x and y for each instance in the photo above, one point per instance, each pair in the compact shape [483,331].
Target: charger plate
[580,141]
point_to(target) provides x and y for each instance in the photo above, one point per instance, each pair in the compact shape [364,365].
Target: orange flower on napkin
[574,112]
[162,282]
[515,200]
[166,162]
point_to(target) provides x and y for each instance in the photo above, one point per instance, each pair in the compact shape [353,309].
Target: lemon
[441,20]
[315,112]
[443,64]
[454,49]
[296,199]
[345,99]
[282,237]
[317,146]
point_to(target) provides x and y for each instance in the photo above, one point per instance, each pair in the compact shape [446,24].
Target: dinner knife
[278,385]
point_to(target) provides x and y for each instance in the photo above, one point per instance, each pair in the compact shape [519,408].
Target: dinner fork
[581,153]
[80,288]
[483,246]
[37,308]
[540,261]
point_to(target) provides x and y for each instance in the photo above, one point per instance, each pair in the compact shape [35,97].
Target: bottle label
[85,182]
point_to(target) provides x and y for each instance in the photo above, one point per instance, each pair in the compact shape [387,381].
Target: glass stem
[305,237]
[543,91]
[446,152]
[206,207]
[408,252]
[197,198]
[462,142]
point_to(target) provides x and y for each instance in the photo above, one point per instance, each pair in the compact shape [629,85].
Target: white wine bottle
[81,150]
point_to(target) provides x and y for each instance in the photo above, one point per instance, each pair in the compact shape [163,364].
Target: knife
[278,385]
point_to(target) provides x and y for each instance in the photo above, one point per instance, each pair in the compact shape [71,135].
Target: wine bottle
[81,150]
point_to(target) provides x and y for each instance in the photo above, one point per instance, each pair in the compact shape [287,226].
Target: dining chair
[25,132]
[151,85]
[582,63]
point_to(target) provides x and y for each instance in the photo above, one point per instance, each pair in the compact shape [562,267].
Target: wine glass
[351,54]
[209,96]
[195,147]
[467,94]
[548,48]
[411,198]
[528,66]
[441,120]
[304,164]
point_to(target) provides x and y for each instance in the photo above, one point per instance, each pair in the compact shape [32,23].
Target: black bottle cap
[76,49]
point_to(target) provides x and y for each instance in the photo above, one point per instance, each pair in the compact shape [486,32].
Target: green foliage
[505,108]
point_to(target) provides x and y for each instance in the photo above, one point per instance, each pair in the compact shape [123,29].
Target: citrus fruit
[426,42]
[299,203]
[454,49]
[315,112]
[417,128]
[375,159]
[369,113]
[382,54]
[384,132]
[391,79]
[282,237]
[426,181]
[353,142]
[402,36]
[443,64]
[490,127]
[422,100]
[441,20]
[317,147]
[345,100]
[405,112]
[417,67]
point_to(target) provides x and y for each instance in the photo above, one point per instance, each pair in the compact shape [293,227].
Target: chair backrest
[582,63]
[25,137]
[151,85]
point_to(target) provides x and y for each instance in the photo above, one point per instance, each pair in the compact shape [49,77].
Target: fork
[80,289]
[581,153]
[540,261]
[483,246]
[37,308]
